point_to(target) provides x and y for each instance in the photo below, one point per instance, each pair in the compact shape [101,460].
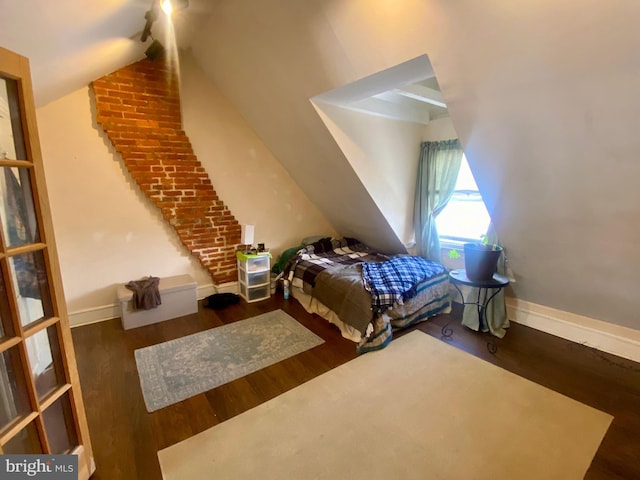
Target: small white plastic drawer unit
[254,276]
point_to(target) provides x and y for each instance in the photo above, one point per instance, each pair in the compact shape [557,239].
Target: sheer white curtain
[438,168]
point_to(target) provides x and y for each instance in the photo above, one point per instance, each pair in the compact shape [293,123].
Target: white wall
[440,129]
[384,154]
[244,173]
[542,95]
[269,71]
[108,233]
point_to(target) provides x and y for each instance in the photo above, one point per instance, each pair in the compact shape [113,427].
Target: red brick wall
[138,107]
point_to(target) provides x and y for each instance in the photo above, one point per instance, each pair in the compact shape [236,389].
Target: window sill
[451,243]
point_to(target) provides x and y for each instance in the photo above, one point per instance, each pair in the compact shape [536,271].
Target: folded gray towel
[146,294]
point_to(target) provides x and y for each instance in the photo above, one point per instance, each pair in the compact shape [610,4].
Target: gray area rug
[173,371]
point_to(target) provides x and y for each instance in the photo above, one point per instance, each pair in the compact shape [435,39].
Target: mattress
[365,293]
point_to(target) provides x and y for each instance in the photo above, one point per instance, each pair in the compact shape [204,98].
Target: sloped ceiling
[69,43]
[543,96]
[408,92]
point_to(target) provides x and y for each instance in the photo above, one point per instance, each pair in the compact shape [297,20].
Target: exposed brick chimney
[138,107]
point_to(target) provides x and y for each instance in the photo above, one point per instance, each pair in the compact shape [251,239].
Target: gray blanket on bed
[341,289]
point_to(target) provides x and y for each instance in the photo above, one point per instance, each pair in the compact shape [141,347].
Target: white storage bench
[178,295]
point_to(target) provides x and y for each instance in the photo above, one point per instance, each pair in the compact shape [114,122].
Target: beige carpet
[419,409]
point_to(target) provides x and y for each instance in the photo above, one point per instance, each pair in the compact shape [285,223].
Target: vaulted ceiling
[407,92]
[69,43]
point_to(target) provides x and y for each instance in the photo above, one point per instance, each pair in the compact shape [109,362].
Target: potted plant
[480,259]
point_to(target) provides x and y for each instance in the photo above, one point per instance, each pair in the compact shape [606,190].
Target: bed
[366,294]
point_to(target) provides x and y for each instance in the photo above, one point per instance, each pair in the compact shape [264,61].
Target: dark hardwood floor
[125,437]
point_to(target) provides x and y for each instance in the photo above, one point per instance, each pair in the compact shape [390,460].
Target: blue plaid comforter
[395,280]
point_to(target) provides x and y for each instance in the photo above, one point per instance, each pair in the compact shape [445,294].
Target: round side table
[497,283]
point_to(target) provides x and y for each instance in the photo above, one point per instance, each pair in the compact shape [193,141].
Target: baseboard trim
[607,337]
[205,290]
[230,287]
[108,312]
[617,340]
[94,315]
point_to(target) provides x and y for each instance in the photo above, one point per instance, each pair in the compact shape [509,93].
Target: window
[465,217]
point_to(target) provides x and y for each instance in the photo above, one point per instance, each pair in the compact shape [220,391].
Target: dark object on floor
[218,301]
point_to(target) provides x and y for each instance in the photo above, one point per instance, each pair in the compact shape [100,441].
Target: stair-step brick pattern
[138,107]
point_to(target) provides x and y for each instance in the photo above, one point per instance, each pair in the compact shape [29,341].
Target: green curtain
[437,174]
[496,314]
